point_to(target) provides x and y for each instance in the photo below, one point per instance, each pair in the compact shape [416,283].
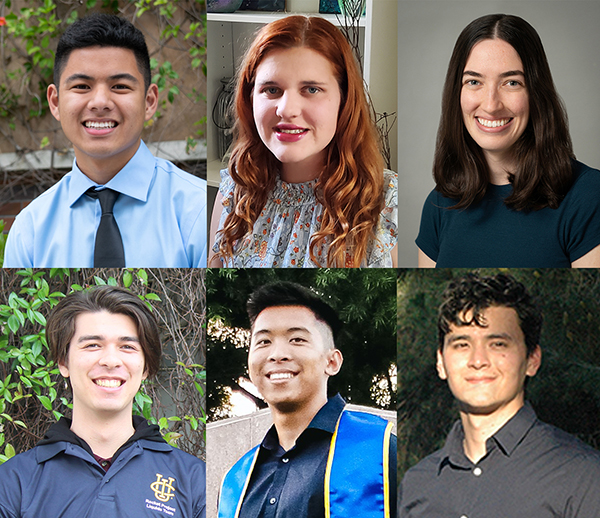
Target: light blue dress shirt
[161,214]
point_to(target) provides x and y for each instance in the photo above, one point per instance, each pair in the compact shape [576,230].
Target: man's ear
[52,95]
[534,360]
[64,370]
[440,366]
[151,101]
[334,362]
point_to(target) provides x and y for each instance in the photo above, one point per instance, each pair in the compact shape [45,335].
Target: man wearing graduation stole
[318,459]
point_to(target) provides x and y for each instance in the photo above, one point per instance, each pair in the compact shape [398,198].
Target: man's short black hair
[470,295]
[291,294]
[103,30]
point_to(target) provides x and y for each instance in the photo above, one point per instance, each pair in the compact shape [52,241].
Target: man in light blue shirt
[102,96]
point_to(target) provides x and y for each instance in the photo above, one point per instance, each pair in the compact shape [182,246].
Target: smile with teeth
[108,383]
[281,375]
[291,131]
[493,124]
[99,125]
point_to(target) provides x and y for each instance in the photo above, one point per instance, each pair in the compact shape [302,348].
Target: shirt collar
[133,180]
[325,420]
[507,438]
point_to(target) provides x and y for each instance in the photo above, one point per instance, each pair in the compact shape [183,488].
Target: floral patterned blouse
[281,234]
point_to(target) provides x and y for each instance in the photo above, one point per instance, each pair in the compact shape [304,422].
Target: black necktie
[108,250]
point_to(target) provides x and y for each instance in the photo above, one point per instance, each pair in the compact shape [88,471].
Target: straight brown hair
[61,322]
[543,154]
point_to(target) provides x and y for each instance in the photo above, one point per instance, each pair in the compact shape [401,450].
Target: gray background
[427,32]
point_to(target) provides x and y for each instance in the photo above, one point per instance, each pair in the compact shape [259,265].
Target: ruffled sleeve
[226,188]
[386,234]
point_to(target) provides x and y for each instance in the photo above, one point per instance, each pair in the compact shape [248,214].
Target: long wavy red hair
[350,187]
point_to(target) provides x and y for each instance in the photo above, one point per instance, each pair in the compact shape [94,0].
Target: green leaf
[152,296]
[143,276]
[99,281]
[9,451]
[193,422]
[112,281]
[162,423]
[46,402]
[127,278]
[13,324]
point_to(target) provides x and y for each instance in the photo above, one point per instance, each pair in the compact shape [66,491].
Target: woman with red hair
[306,186]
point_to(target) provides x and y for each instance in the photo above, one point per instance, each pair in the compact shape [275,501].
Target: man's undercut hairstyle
[60,328]
[465,299]
[102,30]
[291,294]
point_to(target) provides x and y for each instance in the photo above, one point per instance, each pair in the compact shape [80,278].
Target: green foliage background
[566,390]
[365,301]
[33,395]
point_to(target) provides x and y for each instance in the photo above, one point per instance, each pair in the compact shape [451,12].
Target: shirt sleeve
[428,239]
[226,188]
[19,245]
[582,215]
[197,245]
[386,234]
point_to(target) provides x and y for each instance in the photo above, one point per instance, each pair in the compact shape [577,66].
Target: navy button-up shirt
[530,470]
[290,483]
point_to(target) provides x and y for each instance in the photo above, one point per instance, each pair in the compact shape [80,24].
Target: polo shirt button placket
[273,501]
[477,471]
[285,460]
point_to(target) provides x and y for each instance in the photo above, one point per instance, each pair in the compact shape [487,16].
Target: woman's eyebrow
[503,74]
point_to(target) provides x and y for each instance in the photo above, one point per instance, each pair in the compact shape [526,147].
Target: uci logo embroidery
[163,488]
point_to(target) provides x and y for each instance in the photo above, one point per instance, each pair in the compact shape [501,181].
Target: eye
[514,83]
[499,344]
[298,340]
[122,87]
[92,345]
[460,345]
[271,91]
[313,90]
[472,82]
[262,343]
[129,347]
[80,86]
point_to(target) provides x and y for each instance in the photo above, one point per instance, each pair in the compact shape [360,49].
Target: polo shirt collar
[133,180]
[326,420]
[507,438]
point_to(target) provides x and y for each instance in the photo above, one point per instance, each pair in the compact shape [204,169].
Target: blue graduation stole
[356,477]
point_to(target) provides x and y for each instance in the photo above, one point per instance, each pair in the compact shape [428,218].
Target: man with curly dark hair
[499,460]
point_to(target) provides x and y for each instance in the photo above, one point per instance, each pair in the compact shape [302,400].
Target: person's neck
[102,170]
[290,424]
[301,172]
[499,165]
[104,434]
[478,428]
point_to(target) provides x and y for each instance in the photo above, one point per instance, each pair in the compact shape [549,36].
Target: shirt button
[464,516]
[477,472]
[272,501]
[285,459]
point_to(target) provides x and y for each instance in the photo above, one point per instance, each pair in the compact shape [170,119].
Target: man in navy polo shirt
[318,459]
[103,463]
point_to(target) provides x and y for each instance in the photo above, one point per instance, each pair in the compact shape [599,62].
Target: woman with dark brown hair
[509,192]
[305,186]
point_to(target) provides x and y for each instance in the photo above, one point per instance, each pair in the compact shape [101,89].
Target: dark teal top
[489,234]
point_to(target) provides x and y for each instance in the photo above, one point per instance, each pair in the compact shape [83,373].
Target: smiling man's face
[486,365]
[105,364]
[102,104]
[291,358]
